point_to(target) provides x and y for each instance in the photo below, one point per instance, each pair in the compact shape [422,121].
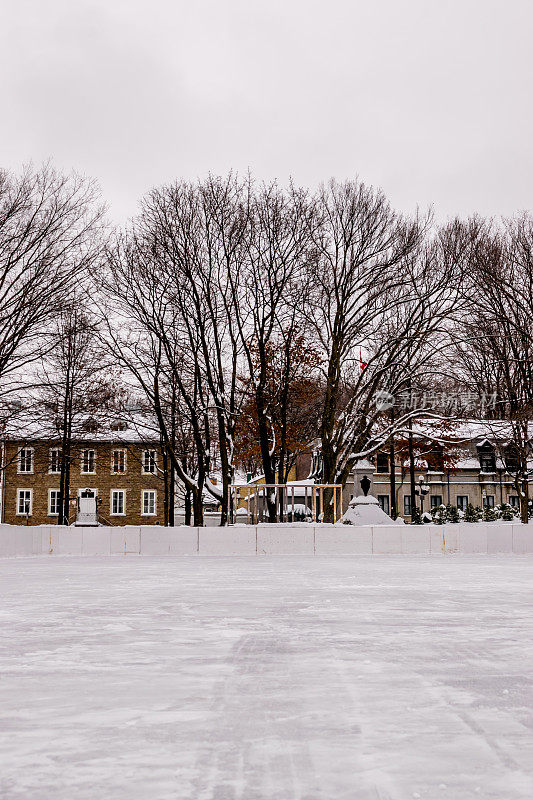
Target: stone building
[476,469]
[115,474]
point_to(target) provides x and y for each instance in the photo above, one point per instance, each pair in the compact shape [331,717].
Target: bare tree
[197,235]
[276,259]
[494,341]
[75,390]
[383,291]
[50,228]
[146,334]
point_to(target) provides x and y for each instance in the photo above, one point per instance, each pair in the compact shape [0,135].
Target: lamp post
[422,491]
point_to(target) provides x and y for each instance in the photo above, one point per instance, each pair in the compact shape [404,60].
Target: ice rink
[275,678]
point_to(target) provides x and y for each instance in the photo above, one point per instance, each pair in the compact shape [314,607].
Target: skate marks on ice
[270,679]
[281,729]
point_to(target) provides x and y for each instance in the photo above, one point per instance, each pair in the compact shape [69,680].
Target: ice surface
[269,678]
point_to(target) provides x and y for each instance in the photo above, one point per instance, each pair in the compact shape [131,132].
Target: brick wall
[132,481]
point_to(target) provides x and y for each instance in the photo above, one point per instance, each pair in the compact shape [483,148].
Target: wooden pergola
[287,497]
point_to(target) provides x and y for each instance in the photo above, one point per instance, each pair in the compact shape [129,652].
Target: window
[382,463]
[118,461]
[512,460]
[26,459]
[407,505]
[117,501]
[383,500]
[487,460]
[488,501]
[435,459]
[24,501]
[87,461]
[513,501]
[149,461]
[148,508]
[119,425]
[53,501]
[462,501]
[435,500]
[55,459]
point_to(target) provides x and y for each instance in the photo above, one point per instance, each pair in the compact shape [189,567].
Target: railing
[293,503]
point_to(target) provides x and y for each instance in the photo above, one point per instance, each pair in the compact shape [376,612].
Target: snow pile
[367,511]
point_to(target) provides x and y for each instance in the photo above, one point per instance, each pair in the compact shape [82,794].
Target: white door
[87,502]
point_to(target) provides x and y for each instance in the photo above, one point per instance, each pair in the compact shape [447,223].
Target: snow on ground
[266,678]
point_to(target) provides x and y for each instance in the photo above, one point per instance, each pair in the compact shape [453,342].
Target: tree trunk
[270,475]
[226,471]
[187,503]
[165,484]
[412,471]
[67,486]
[172,471]
[171,496]
[524,501]
[329,456]
[65,455]
[393,509]
[198,506]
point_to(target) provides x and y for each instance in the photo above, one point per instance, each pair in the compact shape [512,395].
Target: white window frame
[461,508]
[113,470]
[50,512]
[58,470]
[82,465]
[433,500]
[23,513]
[117,513]
[148,513]
[143,467]
[31,451]
[384,503]
[484,456]
[407,502]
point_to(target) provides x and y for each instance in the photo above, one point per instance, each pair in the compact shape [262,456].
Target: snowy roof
[28,426]
[474,430]
[468,462]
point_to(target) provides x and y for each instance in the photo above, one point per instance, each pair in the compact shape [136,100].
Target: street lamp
[422,491]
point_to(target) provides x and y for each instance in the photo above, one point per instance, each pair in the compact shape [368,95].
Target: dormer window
[435,459]
[511,458]
[487,459]
[118,425]
[89,425]
[382,463]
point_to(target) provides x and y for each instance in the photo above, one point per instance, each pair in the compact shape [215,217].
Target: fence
[257,540]
[301,502]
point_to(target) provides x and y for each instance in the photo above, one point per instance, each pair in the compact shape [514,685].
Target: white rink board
[343,540]
[246,540]
[273,540]
[235,541]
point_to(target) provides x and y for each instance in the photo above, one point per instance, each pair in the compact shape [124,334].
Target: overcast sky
[430,99]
